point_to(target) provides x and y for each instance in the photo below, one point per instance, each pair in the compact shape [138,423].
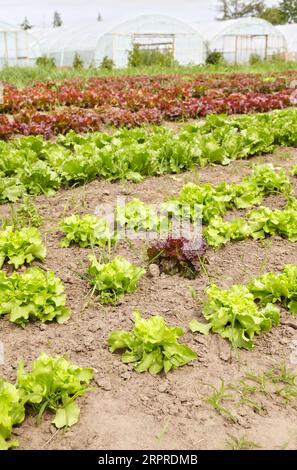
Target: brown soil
[128,410]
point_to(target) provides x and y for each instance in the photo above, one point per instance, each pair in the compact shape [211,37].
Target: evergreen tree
[57,22]
[25,24]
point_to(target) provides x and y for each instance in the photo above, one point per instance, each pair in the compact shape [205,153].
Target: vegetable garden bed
[256,400]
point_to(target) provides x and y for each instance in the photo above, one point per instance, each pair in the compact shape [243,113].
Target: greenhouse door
[160,42]
[246,46]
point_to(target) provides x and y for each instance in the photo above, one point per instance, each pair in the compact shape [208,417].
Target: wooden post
[266,46]
[5,49]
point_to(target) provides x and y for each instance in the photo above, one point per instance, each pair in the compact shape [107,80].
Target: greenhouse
[115,40]
[240,39]
[290,33]
[17,47]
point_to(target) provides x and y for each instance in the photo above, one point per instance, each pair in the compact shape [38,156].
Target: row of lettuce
[32,165]
[54,108]
[37,294]
[62,120]
[162,92]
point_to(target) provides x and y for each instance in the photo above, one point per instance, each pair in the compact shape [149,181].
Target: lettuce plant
[269,181]
[114,279]
[214,201]
[39,178]
[136,216]
[21,246]
[260,223]
[178,255]
[218,232]
[277,287]
[86,231]
[34,294]
[11,189]
[152,346]
[234,314]
[264,221]
[12,412]
[54,384]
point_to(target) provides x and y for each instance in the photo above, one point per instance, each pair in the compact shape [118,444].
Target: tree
[25,24]
[232,9]
[99,17]
[57,22]
[274,15]
[289,8]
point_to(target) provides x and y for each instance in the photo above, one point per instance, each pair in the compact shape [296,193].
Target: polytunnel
[239,39]
[114,40]
[17,47]
[290,33]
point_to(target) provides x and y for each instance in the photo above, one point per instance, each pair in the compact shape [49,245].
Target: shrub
[107,63]
[214,58]
[45,61]
[255,59]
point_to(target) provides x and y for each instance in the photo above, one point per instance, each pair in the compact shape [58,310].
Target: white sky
[40,12]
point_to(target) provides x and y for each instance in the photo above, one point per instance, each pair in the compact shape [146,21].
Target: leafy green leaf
[67,416]
[197,327]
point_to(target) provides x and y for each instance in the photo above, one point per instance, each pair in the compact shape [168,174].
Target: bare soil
[127,410]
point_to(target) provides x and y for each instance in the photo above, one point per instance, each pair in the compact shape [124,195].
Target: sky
[40,12]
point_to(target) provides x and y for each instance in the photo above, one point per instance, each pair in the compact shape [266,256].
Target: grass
[277,385]
[216,398]
[26,214]
[164,430]
[240,443]
[21,76]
